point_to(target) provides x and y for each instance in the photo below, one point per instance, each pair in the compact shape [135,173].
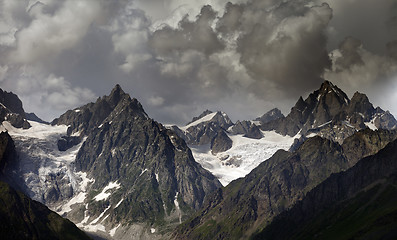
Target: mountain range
[118,174]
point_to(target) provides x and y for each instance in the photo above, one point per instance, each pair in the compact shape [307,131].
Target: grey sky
[181,57]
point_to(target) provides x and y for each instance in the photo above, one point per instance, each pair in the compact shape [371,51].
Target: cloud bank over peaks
[179,57]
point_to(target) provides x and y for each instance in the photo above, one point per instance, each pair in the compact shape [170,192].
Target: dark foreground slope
[250,203]
[360,203]
[23,218]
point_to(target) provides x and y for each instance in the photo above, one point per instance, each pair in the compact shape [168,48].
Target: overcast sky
[180,57]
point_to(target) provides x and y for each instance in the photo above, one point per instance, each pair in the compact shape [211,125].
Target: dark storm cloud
[196,35]
[372,22]
[231,20]
[180,57]
[392,49]
[350,56]
[291,53]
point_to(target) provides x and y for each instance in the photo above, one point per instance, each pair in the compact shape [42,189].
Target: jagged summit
[11,110]
[271,115]
[329,112]
[205,113]
[220,118]
[92,115]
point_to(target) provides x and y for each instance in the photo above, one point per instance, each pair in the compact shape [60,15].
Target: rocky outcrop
[275,185]
[221,143]
[247,128]
[34,117]
[8,155]
[66,142]
[12,102]
[11,110]
[271,115]
[361,201]
[203,130]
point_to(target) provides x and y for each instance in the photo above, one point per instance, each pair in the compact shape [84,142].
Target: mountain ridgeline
[329,113]
[158,180]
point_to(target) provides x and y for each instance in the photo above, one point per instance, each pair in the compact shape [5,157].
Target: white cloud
[156,101]
[48,34]
[49,96]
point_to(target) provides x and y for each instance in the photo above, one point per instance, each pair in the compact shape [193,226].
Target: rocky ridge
[357,203]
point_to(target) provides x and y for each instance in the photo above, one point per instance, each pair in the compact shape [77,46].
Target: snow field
[243,157]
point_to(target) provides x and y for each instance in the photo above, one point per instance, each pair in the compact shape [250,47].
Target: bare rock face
[221,143]
[271,115]
[11,110]
[247,128]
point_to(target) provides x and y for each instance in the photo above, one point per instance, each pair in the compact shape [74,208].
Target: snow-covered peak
[206,118]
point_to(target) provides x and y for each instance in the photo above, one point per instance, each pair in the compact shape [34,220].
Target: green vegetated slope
[360,203]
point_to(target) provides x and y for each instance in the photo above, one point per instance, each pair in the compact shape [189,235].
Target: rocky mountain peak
[328,112]
[222,119]
[205,113]
[331,95]
[271,115]
[92,115]
[116,95]
[12,102]
[11,110]
[360,104]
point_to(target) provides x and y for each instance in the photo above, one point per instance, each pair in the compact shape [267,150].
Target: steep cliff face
[275,185]
[359,203]
[141,172]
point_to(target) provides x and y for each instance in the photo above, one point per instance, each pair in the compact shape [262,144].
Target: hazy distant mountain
[246,204]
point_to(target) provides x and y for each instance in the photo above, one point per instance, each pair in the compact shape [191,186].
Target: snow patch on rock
[105,192]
